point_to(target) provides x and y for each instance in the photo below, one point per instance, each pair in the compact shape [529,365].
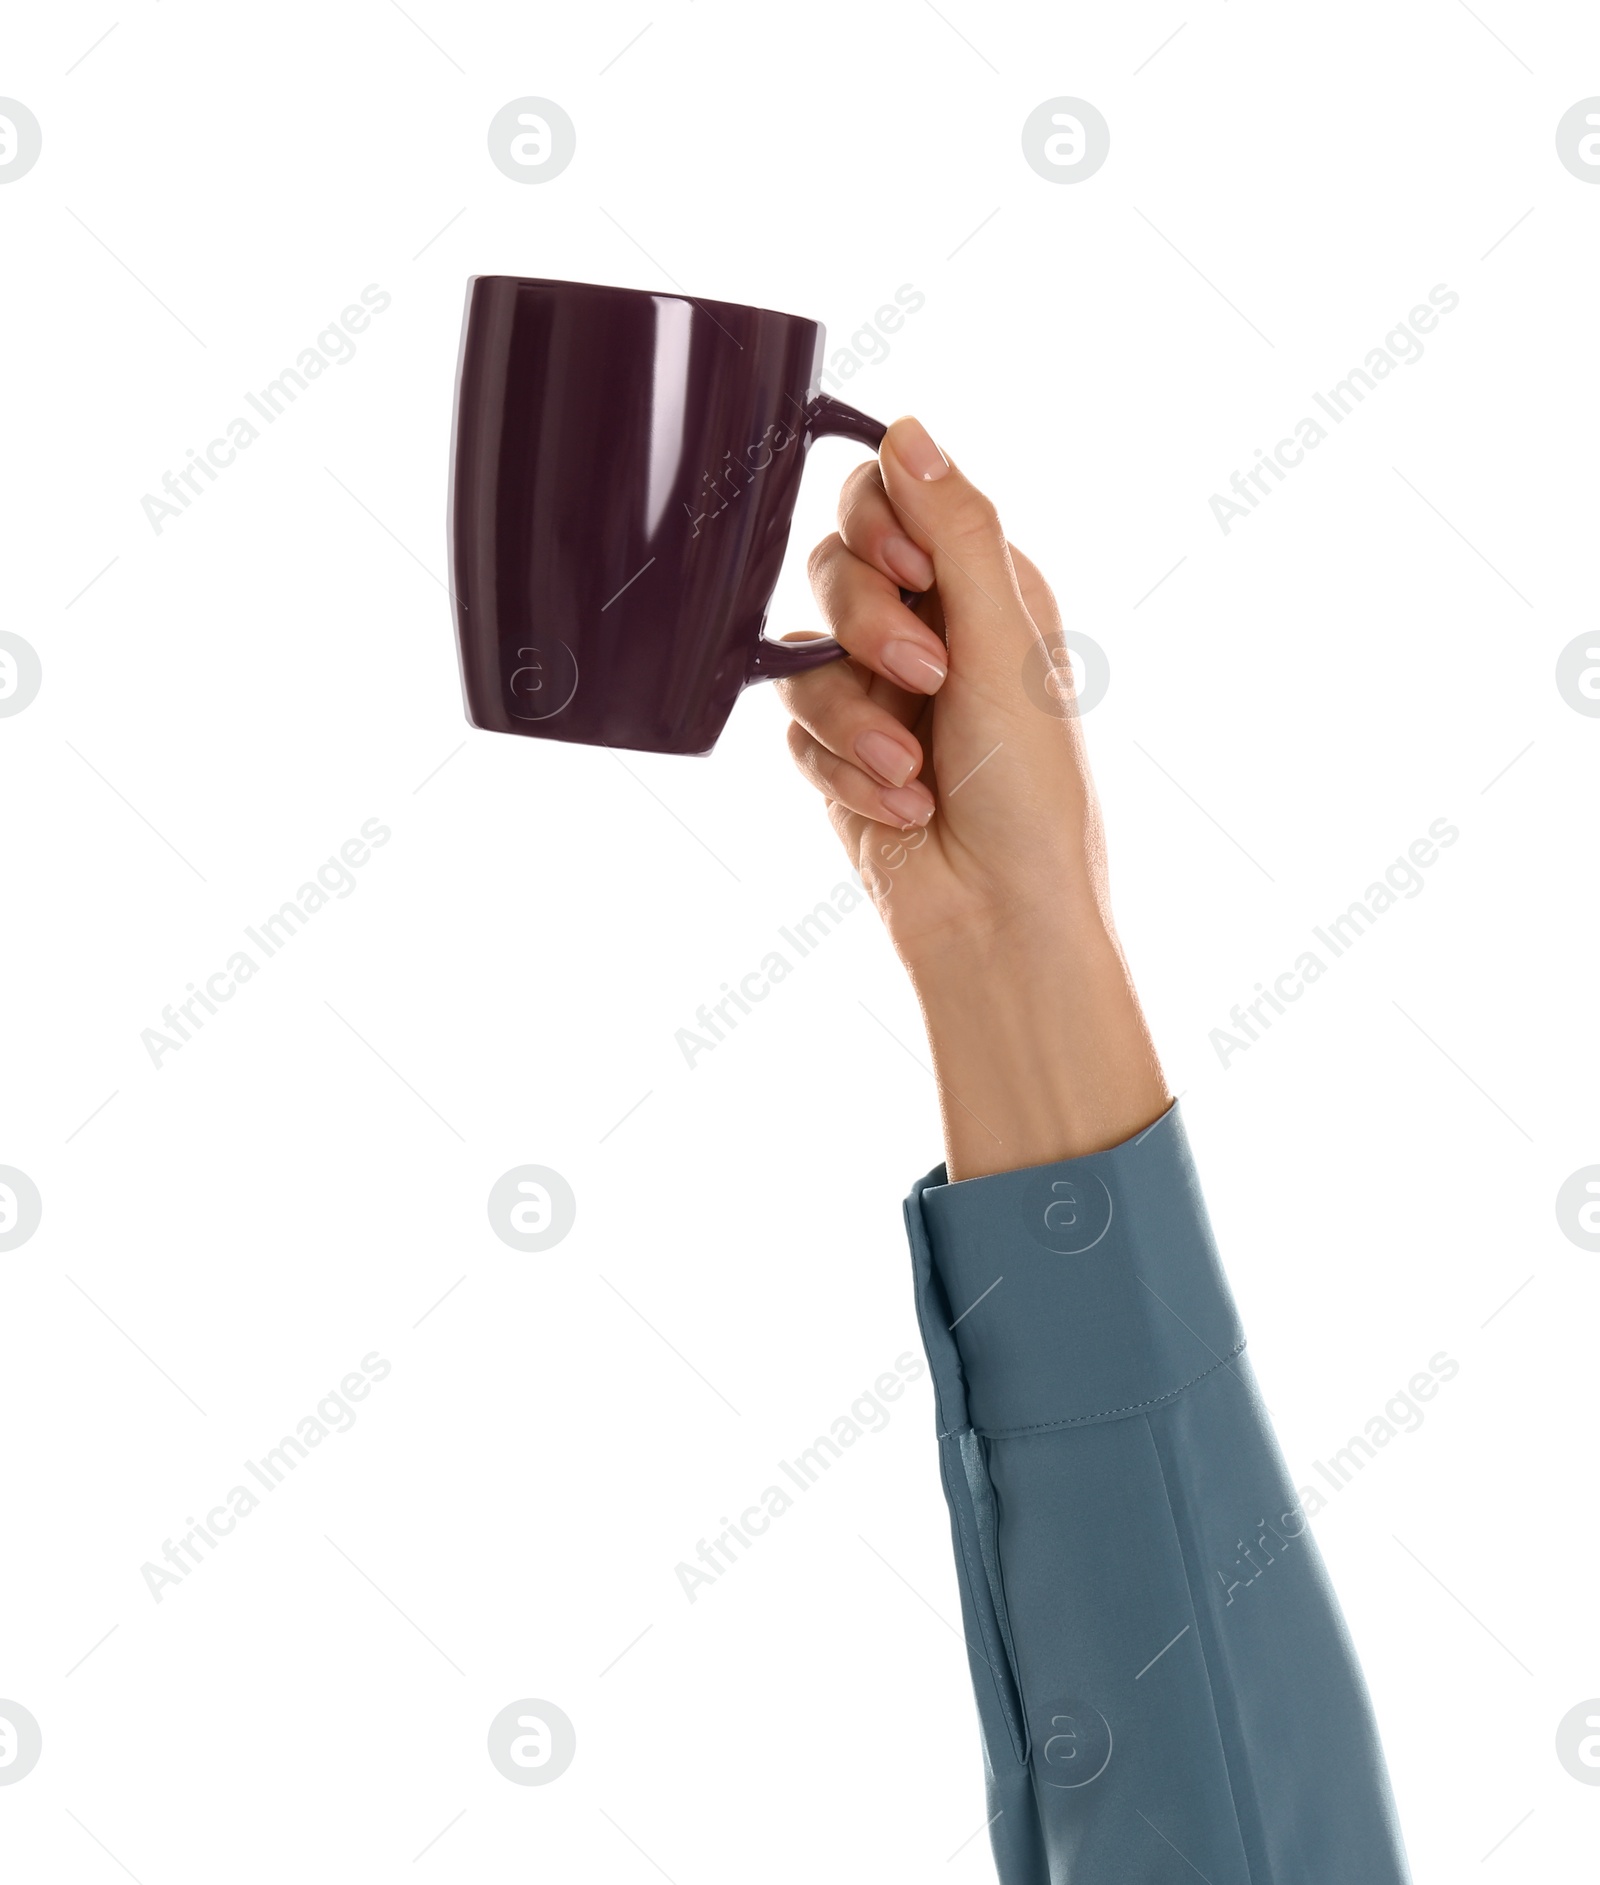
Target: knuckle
[812,757]
[821,557]
[976,518]
[825,767]
[862,489]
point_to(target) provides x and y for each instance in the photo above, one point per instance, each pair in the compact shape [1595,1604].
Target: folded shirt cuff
[1086,1290]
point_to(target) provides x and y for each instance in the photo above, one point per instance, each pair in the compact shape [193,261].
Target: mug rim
[644,294]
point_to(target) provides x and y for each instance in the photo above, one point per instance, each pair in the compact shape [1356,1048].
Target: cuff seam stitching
[1133,1407]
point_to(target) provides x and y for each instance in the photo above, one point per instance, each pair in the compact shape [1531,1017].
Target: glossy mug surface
[625,468]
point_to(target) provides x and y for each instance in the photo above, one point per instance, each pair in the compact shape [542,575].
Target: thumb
[959,528]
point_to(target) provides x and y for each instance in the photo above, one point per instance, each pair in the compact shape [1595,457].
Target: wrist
[1039,1045]
[1012,966]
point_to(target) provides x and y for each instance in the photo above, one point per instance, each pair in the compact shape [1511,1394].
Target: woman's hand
[953,765]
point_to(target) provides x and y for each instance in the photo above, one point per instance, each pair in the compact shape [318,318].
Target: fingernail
[886,757]
[912,668]
[918,453]
[911,567]
[911,804]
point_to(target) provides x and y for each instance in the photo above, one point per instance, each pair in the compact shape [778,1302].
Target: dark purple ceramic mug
[624,471]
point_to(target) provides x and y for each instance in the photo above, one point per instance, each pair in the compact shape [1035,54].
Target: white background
[226,702]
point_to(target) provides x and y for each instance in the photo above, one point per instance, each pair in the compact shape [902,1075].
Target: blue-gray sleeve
[1165,1686]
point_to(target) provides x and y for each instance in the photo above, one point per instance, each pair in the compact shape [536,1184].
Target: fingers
[847,785]
[959,530]
[871,530]
[855,748]
[852,734]
[843,783]
[860,599]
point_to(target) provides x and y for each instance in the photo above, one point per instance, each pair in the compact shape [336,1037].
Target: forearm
[1039,1045]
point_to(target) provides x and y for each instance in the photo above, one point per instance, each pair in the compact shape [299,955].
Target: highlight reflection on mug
[544,681]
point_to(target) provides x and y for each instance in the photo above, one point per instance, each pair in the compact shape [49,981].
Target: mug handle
[825,417]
